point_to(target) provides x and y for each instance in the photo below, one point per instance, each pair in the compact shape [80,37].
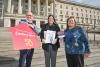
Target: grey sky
[91,2]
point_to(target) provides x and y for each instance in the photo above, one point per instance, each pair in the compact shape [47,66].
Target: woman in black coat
[50,41]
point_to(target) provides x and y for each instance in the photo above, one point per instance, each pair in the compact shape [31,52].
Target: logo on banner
[24,37]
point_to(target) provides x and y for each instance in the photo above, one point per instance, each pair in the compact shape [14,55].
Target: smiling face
[29,16]
[51,20]
[71,22]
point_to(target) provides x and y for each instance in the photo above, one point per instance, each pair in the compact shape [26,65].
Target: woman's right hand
[43,40]
[61,34]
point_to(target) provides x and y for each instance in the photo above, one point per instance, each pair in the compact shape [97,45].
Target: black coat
[53,27]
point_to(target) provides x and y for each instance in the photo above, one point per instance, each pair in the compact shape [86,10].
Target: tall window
[82,14]
[72,13]
[76,14]
[98,21]
[62,26]
[55,5]
[1,9]
[55,10]
[94,12]
[82,10]
[90,21]
[34,22]
[76,9]
[94,16]
[90,11]
[66,7]
[42,24]
[67,13]
[86,20]
[98,17]
[97,13]
[90,16]
[61,12]
[12,22]
[61,17]
[86,11]
[77,20]
[26,1]
[34,2]
[86,15]
[82,19]
[71,8]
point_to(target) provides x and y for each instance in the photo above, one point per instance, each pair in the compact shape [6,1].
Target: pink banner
[24,38]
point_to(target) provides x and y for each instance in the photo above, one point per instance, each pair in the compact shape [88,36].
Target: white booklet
[49,36]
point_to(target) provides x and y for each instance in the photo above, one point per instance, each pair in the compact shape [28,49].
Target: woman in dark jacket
[76,44]
[50,42]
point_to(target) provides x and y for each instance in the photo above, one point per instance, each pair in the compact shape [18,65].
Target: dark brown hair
[53,18]
[67,27]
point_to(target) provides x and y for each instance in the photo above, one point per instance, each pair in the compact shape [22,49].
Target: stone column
[20,7]
[12,9]
[9,6]
[46,8]
[29,5]
[38,4]
[54,7]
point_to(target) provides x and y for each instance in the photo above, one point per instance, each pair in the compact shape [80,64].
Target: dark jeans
[26,55]
[50,57]
[75,60]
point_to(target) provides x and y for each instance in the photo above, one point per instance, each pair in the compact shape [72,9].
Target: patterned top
[76,41]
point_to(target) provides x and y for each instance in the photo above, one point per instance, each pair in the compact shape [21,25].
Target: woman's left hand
[86,55]
[54,41]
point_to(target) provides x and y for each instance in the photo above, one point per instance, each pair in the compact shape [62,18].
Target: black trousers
[75,60]
[50,57]
[25,55]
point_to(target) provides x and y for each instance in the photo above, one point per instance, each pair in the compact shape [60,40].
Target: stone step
[39,53]
[10,56]
[61,64]
[91,61]
[8,47]
[9,42]
[15,54]
[63,59]
[3,28]
[15,64]
[94,65]
[60,61]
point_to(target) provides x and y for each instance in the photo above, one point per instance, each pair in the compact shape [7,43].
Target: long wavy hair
[53,18]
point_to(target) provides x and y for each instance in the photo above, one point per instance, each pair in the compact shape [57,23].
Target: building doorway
[1,23]
[42,24]
[34,22]
[12,22]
